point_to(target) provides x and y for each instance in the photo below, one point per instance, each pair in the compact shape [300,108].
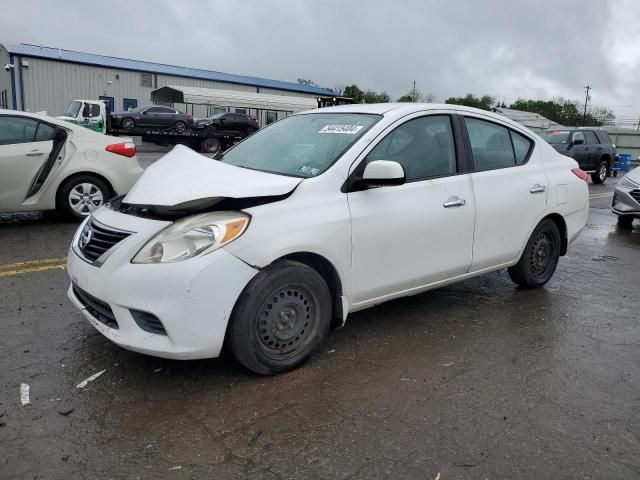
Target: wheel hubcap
[84,198]
[541,254]
[286,322]
[603,172]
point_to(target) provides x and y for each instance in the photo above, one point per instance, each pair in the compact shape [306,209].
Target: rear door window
[490,145]
[603,136]
[590,138]
[17,130]
[44,133]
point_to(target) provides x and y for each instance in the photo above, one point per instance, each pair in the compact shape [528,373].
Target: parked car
[154,116]
[229,123]
[590,147]
[626,198]
[319,215]
[47,164]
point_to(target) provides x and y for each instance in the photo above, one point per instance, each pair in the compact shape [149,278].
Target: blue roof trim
[72,56]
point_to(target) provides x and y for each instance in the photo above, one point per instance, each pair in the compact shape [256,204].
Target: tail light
[189,117]
[581,174]
[127,149]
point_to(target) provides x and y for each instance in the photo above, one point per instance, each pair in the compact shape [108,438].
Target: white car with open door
[316,216]
[48,164]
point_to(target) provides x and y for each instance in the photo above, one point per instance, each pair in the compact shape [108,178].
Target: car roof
[401,109]
[573,129]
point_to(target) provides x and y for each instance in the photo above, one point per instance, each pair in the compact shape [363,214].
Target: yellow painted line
[32,266]
[601,195]
[9,273]
[7,266]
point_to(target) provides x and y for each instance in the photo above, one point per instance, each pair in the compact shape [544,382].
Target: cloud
[504,48]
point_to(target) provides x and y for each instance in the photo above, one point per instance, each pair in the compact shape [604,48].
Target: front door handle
[454,202]
[35,153]
[537,188]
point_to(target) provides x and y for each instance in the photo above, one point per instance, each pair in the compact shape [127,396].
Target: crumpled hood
[183,176]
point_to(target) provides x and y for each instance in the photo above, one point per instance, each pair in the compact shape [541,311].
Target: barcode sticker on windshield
[348,129]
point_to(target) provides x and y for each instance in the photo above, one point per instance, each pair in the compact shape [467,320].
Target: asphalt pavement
[476,380]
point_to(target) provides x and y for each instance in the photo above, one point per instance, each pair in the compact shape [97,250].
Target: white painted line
[24,394]
[84,383]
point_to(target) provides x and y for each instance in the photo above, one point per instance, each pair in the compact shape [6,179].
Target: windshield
[74,108]
[216,116]
[556,137]
[301,145]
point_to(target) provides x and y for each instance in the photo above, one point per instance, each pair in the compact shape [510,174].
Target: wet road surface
[476,380]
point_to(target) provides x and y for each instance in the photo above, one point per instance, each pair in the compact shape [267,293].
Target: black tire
[180,126]
[128,123]
[601,173]
[68,202]
[280,319]
[250,131]
[210,145]
[540,257]
[625,221]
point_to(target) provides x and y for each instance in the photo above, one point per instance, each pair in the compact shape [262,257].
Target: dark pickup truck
[590,147]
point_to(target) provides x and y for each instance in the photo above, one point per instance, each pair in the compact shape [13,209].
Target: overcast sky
[506,48]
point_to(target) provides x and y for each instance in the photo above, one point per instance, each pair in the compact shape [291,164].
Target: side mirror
[577,141]
[380,173]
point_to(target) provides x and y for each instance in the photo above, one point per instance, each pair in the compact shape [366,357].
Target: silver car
[626,199]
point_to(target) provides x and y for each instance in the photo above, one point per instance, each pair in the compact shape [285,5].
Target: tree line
[559,109]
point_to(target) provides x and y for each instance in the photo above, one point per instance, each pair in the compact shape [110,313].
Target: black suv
[229,123]
[590,147]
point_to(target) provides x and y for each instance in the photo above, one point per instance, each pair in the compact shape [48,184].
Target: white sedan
[48,164]
[317,216]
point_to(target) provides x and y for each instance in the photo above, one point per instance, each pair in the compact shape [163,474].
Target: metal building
[37,78]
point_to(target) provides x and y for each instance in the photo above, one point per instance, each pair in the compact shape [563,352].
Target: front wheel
[281,318]
[625,221]
[600,175]
[180,127]
[540,257]
[79,196]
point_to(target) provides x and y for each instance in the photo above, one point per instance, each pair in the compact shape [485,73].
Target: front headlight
[193,236]
[627,183]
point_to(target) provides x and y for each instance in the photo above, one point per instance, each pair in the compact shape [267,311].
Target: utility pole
[413,94]
[586,100]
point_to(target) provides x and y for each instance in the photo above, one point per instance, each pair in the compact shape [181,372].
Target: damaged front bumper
[175,310]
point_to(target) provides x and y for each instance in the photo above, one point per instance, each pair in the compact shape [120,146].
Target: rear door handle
[35,153]
[537,188]
[454,202]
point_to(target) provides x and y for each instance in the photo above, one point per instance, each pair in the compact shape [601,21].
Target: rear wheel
[210,145]
[601,173]
[540,256]
[128,123]
[180,126]
[79,196]
[280,319]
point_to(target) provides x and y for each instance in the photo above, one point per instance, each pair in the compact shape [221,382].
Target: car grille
[96,238]
[98,309]
[635,194]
